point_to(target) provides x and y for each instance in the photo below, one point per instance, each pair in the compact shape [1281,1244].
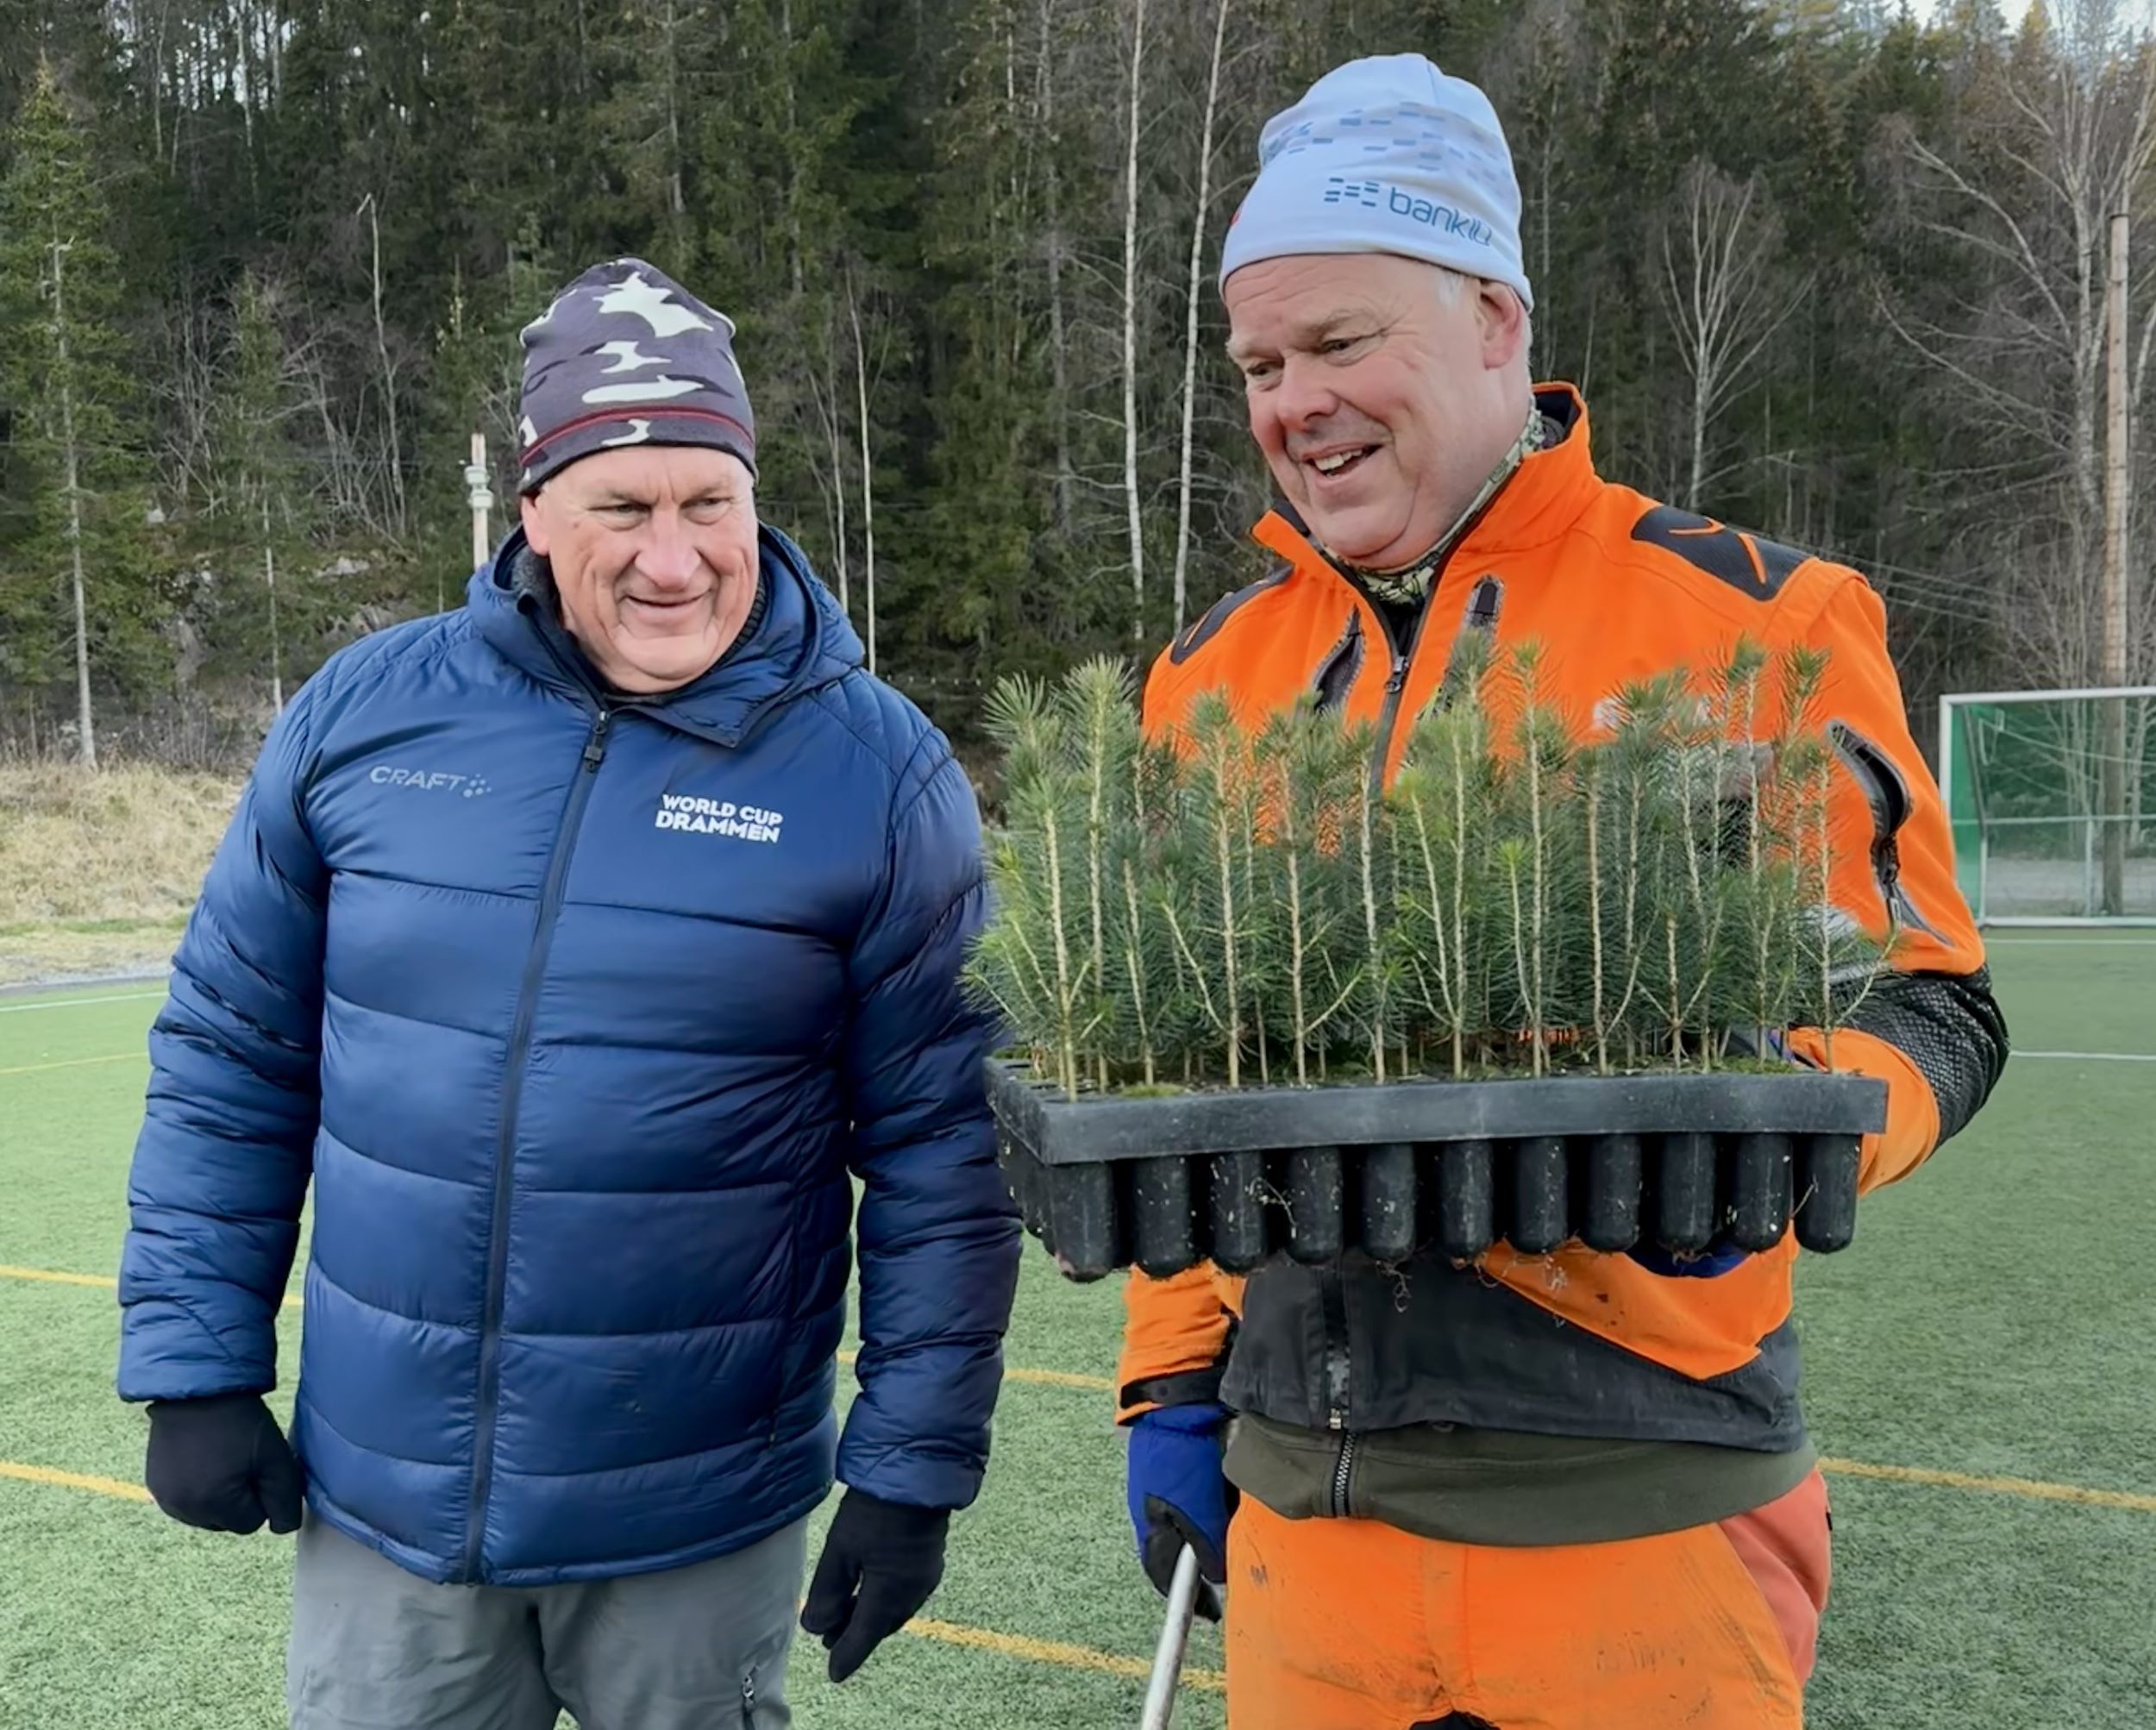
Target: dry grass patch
[58,955]
[126,846]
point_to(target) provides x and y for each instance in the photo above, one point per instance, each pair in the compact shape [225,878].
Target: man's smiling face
[654,550]
[1381,390]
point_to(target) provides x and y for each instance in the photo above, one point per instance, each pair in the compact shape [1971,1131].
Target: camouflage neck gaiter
[1409,585]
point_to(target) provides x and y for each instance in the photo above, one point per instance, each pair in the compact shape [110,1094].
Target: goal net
[2053,798]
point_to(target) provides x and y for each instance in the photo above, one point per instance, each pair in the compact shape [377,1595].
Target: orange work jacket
[1616,588]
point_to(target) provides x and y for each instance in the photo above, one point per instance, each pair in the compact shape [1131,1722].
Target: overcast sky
[2014,9]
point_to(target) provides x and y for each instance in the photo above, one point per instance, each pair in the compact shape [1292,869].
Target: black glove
[222,1463]
[893,1554]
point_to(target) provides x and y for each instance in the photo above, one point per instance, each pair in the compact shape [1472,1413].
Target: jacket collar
[800,641]
[1545,495]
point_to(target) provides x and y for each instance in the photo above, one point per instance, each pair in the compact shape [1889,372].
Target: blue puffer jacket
[579,1010]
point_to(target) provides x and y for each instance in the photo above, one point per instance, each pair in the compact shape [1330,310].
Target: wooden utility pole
[83,718]
[2112,764]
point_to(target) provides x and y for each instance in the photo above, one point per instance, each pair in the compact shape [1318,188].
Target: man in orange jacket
[1571,1492]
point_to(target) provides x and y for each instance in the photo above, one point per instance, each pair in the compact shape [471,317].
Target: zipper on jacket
[1335,673]
[1479,616]
[1479,619]
[1402,658]
[512,1088]
[1888,793]
[1337,1366]
[1333,1297]
[1395,682]
[748,1701]
[1341,1469]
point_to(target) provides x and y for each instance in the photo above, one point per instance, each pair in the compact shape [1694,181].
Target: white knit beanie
[1386,154]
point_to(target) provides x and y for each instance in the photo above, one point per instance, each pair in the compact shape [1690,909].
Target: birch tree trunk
[1058,340]
[1190,315]
[1129,327]
[85,720]
[838,492]
[677,206]
[2022,335]
[277,644]
[1718,289]
[867,476]
[389,372]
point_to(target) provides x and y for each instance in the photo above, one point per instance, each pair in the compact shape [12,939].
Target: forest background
[1830,269]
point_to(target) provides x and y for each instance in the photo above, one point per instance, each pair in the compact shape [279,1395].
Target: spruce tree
[75,589]
[260,510]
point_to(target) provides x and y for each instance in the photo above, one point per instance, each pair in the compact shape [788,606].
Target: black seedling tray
[1687,1161]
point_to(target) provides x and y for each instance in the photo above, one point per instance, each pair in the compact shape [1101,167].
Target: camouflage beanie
[625,356]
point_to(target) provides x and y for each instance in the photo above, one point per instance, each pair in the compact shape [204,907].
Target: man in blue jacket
[578,946]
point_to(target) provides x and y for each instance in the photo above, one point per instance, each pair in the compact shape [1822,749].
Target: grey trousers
[702,1647]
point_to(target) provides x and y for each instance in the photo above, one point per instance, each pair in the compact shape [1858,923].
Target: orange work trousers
[1349,1625]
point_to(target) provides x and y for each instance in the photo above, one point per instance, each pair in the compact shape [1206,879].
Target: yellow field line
[1020,1646]
[1038,1378]
[2033,1489]
[1057,1378]
[1056,1652]
[74,1479]
[101,1282]
[57,1279]
[73,1063]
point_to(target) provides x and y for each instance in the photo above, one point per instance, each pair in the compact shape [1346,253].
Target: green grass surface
[1992,1318]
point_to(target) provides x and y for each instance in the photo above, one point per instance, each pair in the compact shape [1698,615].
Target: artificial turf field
[1978,1365]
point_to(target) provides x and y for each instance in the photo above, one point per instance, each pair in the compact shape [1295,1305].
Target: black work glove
[222,1463]
[893,1554]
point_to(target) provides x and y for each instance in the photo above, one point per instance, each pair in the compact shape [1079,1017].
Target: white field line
[2094,940]
[79,1002]
[2089,1056]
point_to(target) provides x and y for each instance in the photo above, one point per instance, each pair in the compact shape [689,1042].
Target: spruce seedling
[1098,729]
[1640,750]
[1223,810]
[1447,797]
[1377,975]
[1043,799]
[1763,901]
[1544,749]
[1589,771]
[1152,788]
[1847,959]
[1308,760]
[1231,909]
